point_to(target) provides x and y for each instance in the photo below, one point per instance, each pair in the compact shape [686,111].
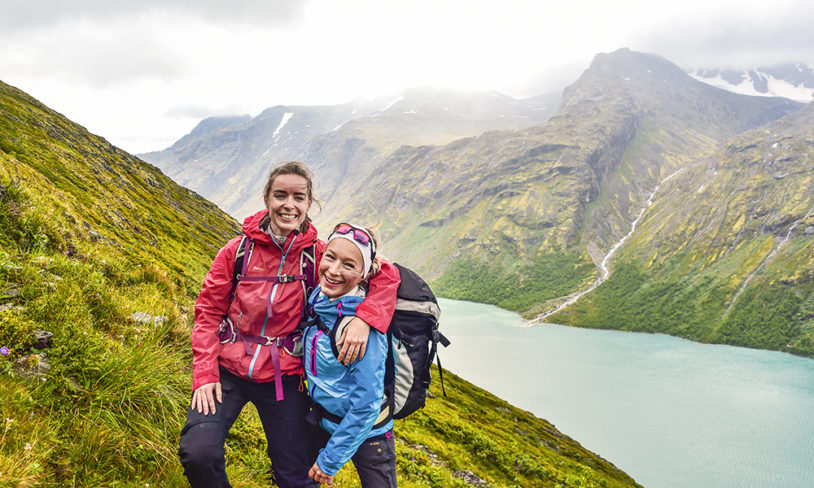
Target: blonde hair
[375,264]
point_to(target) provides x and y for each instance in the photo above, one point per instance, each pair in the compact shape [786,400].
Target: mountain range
[226,159]
[101,259]
[526,216]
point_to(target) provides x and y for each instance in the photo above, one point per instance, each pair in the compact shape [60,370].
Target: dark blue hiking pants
[287,433]
[375,460]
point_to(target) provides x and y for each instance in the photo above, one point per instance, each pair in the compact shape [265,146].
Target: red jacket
[248,309]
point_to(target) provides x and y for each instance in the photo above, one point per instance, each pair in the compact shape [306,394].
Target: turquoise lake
[669,412]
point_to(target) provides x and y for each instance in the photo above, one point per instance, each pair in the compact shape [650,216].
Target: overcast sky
[142,73]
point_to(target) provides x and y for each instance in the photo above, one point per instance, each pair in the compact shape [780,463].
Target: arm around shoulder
[380,303]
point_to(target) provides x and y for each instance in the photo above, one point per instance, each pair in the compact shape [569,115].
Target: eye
[350,266]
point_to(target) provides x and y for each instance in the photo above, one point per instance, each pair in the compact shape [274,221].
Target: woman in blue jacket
[350,398]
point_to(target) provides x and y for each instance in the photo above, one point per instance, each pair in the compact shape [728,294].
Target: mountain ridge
[335,137]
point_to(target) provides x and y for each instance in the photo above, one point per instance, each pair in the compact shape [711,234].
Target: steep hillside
[518,218]
[726,252]
[101,257]
[227,163]
[93,192]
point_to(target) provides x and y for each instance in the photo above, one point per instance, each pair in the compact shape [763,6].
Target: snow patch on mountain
[795,82]
[397,100]
[283,121]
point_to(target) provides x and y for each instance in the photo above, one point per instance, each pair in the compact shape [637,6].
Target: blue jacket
[352,392]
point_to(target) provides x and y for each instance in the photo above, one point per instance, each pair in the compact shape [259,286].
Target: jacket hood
[256,227]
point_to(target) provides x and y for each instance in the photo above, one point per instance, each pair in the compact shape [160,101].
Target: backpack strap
[308,269]
[437,337]
[312,318]
[241,263]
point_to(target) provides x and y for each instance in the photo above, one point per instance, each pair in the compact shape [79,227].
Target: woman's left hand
[353,341]
[317,475]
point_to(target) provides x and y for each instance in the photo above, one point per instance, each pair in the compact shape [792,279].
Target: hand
[353,341]
[317,475]
[203,399]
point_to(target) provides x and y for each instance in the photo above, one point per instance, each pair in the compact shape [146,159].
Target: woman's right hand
[203,399]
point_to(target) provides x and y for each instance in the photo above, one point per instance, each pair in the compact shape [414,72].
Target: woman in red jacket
[254,359]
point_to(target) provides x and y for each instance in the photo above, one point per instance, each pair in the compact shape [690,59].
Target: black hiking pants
[288,434]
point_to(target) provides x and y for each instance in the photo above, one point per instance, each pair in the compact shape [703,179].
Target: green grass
[518,288]
[88,237]
[770,314]
[109,410]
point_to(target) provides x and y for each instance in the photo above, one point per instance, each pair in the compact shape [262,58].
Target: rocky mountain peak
[213,123]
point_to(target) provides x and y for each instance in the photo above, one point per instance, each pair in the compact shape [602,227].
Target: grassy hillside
[726,253]
[107,254]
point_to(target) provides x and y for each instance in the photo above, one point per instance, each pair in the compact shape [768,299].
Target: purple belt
[228,334]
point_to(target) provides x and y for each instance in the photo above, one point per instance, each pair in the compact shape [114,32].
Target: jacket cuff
[204,379]
[321,464]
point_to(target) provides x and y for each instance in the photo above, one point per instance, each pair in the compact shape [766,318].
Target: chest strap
[291,343]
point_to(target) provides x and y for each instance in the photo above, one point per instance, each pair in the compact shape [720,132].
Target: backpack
[414,338]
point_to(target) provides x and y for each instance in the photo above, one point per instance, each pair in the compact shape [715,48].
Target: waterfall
[604,272]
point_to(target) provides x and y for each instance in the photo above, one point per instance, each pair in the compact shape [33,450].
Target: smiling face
[288,203]
[341,268]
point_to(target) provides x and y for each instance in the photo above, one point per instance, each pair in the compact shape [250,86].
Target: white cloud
[35,14]
[143,74]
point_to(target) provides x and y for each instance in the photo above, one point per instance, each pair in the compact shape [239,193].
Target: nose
[334,268]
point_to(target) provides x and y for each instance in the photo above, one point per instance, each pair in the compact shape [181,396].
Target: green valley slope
[107,254]
[726,252]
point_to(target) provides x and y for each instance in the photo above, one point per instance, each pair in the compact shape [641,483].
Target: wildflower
[27,446]
[4,351]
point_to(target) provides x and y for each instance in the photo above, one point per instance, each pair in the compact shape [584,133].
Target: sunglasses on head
[360,235]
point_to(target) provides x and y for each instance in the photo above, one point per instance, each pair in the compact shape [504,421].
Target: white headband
[365,250]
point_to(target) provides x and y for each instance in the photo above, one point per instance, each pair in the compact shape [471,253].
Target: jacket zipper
[270,302]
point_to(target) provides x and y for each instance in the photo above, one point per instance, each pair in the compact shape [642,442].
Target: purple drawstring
[314,352]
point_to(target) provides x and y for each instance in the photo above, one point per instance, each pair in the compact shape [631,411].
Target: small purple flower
[4,351]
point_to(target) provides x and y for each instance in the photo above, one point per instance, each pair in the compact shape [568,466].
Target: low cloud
[737,41]
[35,14]
[198,112]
